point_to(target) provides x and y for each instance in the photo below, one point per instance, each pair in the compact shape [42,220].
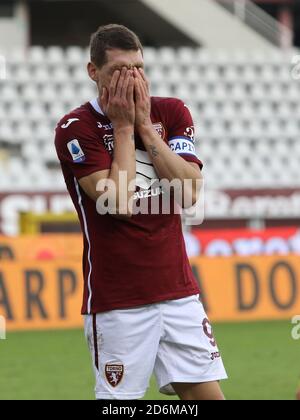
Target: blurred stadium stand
[255,28]
[246,108]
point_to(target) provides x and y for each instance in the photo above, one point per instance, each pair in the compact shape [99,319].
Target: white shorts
[172,338]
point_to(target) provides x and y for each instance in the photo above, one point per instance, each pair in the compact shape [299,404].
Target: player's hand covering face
[118,99]
[142,99]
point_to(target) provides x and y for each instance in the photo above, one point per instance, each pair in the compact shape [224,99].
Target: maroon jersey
[143,260]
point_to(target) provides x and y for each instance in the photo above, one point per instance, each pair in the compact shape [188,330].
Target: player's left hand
[142,100]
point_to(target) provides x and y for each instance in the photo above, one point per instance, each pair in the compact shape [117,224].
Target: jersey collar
[96,106]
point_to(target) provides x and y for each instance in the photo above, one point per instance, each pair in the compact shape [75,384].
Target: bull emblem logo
[160,129]
[114,374]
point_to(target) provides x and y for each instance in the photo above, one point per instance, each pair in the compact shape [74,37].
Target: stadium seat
[16,56]
[165,56]
[24,132]
[36,55]
[55,56]
[150,56]
[74,55]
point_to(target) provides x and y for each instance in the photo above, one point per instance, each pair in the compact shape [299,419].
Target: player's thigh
[123,344]
[188,352]
[207,391]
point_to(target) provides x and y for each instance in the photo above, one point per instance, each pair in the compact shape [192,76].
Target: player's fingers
[142,89]
[131,90]
[143,81]
[137,74]
[142,73]
[104,97]
[121,82]
[113,83]
[137,91]
[146,83]
[126,84]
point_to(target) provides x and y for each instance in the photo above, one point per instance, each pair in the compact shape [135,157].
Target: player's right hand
[118,100]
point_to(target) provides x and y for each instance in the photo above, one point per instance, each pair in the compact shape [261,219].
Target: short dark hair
[110,37]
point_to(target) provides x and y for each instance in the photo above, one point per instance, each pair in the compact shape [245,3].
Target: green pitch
[261,358]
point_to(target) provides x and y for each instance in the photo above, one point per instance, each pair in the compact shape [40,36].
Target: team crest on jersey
[114,373]
[160,129]
[76,151]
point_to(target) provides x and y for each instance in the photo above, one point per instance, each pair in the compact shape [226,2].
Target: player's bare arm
[118,104]
[168,165]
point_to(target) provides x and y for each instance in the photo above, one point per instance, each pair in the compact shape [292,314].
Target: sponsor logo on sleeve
[182,145]
[76,151]
[108,141]
[69,122]
[106,127]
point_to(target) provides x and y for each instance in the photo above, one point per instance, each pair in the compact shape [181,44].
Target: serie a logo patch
[114,374]
[76,151]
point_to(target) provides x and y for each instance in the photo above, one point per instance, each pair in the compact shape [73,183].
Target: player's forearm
[170,166]
[123,170]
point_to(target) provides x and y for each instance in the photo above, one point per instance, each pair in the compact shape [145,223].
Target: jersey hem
[165,388]
[141,302]
[119,396]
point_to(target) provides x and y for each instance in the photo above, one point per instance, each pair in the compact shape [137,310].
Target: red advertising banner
[244,242]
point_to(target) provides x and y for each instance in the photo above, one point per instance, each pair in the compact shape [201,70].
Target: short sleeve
[182,133]
[79,147]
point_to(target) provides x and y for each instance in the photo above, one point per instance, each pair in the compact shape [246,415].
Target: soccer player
[141,301]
